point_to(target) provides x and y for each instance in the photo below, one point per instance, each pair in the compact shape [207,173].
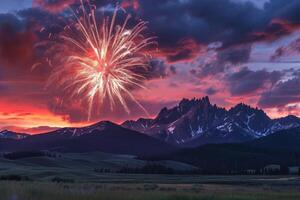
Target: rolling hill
[104,136]
[89,166]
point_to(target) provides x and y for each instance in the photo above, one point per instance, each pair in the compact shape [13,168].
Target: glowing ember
[103,59]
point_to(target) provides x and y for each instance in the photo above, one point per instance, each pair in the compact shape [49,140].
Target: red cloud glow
[53,6]
[130,4]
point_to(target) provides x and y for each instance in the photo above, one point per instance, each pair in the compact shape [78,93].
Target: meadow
[144,191]
[77,177]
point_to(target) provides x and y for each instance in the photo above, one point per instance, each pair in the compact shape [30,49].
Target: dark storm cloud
[208,21]
[224,59]
[202,21]
[39,19]
[186,50]
[16,44]
[246,81]
[12,20]
[235,55]
[276,29]
[158,69]
[181,55]
[205,21]
[211,91]
[19,35]
[291,48]
[282,94]
[287,10]
[173,69]
[278,53]
[209,69]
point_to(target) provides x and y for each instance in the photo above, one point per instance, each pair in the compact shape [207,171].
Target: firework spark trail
[105,62]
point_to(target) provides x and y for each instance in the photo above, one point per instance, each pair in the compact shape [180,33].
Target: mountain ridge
[196,122]
[6,134]
[191,123]
[104,136]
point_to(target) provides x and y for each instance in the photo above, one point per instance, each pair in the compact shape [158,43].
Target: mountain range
[103,136]
[191,123]
[196,122]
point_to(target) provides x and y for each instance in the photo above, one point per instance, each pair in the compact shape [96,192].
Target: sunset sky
[231,50]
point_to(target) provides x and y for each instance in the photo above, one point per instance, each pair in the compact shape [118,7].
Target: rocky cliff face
[197,121]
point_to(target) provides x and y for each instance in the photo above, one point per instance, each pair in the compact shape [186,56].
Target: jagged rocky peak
[289,120]
[141,124]
[199,121]
[244,110]
[251,119]
[186,104]
[166,115]
[163,111]
[140,120]
[241,107]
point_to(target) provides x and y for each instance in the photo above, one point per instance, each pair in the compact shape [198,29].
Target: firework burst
[103,59]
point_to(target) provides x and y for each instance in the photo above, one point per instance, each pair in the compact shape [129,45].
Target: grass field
[92,185]
[76,166]
[106,191]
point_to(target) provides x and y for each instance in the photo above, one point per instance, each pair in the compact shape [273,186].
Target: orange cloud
[186,50]
[30,118]
[274,30]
